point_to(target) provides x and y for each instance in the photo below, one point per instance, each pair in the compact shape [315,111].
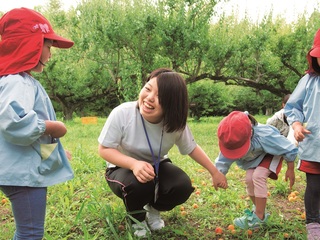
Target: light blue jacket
[27,157]
[265,139]
[304,106]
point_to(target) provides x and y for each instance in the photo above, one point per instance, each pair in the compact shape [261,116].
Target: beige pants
[256,182]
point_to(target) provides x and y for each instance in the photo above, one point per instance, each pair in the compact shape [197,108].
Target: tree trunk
[269,111]
[67,112]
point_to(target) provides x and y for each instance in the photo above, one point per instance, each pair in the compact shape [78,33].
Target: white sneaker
[153,218]
[141,229]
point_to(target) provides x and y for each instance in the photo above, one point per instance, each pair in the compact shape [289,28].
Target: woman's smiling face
[149,105]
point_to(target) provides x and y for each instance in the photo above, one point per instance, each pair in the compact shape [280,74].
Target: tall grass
[85,207]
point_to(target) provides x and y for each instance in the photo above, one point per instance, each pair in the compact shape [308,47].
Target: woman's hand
[143,171]
[219,180]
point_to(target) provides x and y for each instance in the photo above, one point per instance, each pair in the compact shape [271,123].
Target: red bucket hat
[314,51]
[234,134]
[22,33]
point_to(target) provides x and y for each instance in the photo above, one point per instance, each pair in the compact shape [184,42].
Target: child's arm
[223,164]
[290,173]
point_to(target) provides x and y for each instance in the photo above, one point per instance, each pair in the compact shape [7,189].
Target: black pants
[312,198]
[174,188]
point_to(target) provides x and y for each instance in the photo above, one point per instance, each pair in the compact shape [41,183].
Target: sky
[255,9]
[6,5]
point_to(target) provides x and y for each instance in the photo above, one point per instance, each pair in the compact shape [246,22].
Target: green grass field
[85,207]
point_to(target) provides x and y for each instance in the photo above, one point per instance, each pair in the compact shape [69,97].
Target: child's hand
[299,131]
[291,176]
[55,129]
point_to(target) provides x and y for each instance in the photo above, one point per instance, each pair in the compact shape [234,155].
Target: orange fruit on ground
[218,230]
[4,201]
[195,206]
[183,213]
[233,231]
[293,198]
[182,208]
[121,227]
[303,215]
[231,227]
[198,192]
[286,235]
[249,232]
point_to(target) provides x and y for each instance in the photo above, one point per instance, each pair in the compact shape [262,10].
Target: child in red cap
[258,149]
[31,155]
[303,114]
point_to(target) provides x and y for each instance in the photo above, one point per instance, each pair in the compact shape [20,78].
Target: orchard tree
[118,43]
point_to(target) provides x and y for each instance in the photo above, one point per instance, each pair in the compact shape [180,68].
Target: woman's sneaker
[153,218]
[313,231]
[140,229]
[250,220]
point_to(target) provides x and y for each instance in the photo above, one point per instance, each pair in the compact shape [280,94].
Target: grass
[85,207]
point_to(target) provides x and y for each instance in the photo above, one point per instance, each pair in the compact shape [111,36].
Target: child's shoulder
[18,81]
[11,79]
[265,130]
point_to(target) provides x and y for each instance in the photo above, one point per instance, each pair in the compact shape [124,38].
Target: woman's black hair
[173,98]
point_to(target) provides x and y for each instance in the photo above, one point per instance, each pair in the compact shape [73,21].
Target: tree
[118,43]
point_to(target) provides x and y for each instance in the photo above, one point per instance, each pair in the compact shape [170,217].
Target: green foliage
[206,99]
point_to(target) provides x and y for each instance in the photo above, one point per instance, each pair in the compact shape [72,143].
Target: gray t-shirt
[124,131]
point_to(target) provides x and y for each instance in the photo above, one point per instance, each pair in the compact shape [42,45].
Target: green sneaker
[250,220]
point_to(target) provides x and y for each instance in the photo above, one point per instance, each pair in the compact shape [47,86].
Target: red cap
[22,33]
[234,134]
